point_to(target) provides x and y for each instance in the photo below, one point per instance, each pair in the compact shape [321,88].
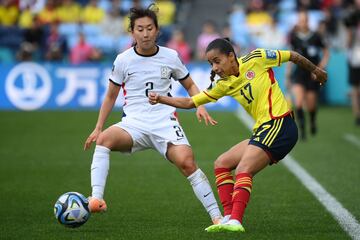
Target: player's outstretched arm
[183,102]
[201,112]
[106,107]
[317,73]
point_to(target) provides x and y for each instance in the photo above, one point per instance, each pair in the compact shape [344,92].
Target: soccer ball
[71,209]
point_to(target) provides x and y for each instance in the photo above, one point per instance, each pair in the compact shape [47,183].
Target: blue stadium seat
[69,29]
[91,30]
[11,37]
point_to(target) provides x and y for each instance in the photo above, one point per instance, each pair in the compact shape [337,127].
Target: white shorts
[155,135]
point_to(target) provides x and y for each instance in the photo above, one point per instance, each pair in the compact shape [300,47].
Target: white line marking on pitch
[352,139]
[346,220]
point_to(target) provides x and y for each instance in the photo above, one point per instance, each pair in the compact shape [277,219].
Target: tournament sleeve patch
[270,54]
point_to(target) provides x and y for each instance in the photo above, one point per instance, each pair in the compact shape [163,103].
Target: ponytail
[212,78]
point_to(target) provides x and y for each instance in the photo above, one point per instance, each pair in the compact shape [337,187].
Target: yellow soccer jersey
[256,88]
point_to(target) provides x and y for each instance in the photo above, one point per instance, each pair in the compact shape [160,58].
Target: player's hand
[92,138]
[319,75]
[153,98]
[201,113]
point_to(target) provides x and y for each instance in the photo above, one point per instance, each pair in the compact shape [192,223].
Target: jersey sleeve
[180,72]
[209,95]
[273,58]
[117,74]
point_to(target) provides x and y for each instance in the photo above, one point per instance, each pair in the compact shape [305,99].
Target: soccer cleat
[97,205]
[232,225]
[216,223]
[213,228]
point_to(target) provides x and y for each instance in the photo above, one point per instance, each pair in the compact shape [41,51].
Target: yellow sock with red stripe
[225,187]
[241,195]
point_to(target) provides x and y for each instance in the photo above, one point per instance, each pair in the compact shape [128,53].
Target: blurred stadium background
[51,87]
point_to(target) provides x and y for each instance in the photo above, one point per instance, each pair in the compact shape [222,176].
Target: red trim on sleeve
[210,96]
[279,57]
[271,75]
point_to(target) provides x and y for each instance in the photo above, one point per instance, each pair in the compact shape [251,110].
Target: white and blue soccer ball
[72,209]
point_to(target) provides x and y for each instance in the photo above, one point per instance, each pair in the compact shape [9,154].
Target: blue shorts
[276,137]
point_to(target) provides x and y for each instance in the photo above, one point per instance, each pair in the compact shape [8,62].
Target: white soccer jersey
[138,75]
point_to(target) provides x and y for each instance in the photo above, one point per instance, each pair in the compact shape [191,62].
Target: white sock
[204,193]
[233,222]
[225,219]
[99,171]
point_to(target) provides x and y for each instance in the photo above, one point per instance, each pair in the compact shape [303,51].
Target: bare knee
[102,140]
[245,168]
[183,157]
[187,166]
[222,162]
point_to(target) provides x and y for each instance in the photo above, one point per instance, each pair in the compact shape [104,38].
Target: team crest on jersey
[250,74]
[165,72]
[270,54]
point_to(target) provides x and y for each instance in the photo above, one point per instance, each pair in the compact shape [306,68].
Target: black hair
[136,13]
[224,46]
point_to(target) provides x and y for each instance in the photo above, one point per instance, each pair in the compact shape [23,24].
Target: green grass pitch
[41,157]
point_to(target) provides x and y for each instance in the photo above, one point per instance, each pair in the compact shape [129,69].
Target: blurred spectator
[305,90]
[9,13]
[56,45]
[332,28]
[25,52]
[35,6]
[92,14]
[257,15]
[179,44]
[114,5]
[26,18]
[308,4]
[208,34]
[273,38]
[48,14]
[112,24]
[166,17]
[166,14]
[258,21]
[352,22]
[83,52]
[239,28]
[68,12]
[113,35]
[34,36]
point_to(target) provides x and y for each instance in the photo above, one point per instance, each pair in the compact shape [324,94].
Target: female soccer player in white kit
[139,70]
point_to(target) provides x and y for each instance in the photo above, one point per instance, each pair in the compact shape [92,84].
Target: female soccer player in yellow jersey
[250,80]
